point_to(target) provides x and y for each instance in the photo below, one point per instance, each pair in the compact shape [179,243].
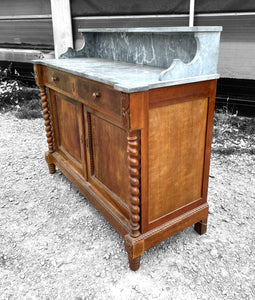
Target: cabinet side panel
[110,165]
[176,155]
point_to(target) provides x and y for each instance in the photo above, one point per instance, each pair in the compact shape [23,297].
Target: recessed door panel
[70,130]
[107,155]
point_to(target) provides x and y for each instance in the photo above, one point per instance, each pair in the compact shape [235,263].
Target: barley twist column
[48,128]
[134,182]
[133,150]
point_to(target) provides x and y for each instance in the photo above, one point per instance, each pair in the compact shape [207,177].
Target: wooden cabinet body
[141,158]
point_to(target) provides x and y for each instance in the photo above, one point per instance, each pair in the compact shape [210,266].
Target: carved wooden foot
[49,160]
[52,168]
[201,226]
[47,118]
[134,263]
[134,248]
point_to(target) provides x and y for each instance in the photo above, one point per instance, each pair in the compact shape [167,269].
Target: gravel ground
[55,245]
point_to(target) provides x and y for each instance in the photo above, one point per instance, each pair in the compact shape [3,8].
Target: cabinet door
[69,131]
[107,160]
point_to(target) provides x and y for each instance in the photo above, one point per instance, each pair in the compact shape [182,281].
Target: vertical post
[47,117]
[191,13]
[134,182]
[62,26]
[133,150]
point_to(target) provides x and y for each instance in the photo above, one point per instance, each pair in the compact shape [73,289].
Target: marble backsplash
[179,52]
[152,49]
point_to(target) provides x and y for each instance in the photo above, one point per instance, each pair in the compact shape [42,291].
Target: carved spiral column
[47,119]
[48,129]
[133,150]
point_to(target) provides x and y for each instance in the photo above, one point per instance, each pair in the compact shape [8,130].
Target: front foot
[134,248]
[49,160]
[134,263]
[201,226]
[52,168]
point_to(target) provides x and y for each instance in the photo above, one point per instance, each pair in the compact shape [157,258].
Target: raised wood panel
[109,151]
[176,156]
[69,125]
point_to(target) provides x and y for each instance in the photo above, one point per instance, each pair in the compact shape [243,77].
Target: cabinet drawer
[104,98]
[59,80]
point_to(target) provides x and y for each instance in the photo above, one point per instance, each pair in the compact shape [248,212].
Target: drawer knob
[96,95]
[54,79]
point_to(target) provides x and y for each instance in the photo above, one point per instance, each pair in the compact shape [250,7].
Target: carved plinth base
[134,263]
[201,226]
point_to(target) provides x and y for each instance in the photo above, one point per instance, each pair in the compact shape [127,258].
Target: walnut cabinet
[141,158]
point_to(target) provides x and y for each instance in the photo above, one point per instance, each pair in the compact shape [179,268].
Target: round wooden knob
[96,95]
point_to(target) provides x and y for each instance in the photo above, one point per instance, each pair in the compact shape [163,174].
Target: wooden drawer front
[60,81]
[106,99]
[82,89]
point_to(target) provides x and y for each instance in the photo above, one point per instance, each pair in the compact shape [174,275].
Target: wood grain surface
[69,130]
[176,155]
[110,164]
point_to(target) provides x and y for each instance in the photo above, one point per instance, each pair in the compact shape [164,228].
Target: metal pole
[191,13]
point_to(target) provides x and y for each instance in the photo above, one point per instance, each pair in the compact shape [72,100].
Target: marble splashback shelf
[181,51]
[133,59]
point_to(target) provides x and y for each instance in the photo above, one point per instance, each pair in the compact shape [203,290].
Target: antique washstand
[129,121]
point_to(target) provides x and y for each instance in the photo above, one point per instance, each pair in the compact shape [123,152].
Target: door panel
[69,127]
[107,156]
